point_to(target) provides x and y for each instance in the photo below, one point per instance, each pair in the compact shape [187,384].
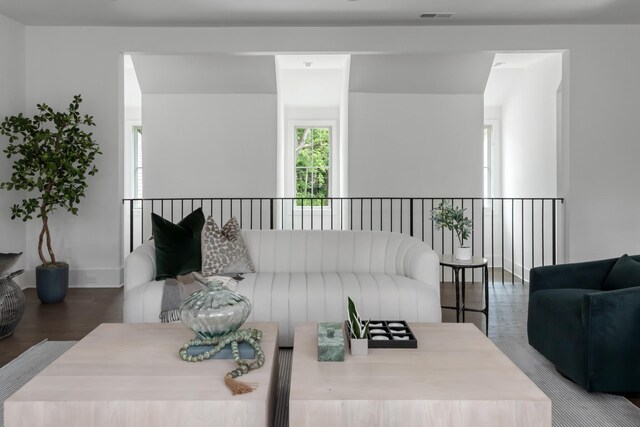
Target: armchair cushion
[624,274]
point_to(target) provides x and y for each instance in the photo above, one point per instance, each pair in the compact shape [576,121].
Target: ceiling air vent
[436,15]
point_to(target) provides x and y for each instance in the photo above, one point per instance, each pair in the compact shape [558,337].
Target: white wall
[602,90]
[524,100]
[415,145]
[12,67]
[529,131]
[209,145]
[132,119]
[59,67]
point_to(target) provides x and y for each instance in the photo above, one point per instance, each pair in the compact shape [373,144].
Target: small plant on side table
[445,215]
[358,331]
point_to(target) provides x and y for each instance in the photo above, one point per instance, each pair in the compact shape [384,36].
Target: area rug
[20,370]
[572,407]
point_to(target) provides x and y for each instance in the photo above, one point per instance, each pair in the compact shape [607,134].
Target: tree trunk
[45,233]
[300,143]
[48,234]
[40,254]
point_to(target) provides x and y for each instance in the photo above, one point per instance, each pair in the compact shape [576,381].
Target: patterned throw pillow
[223,250]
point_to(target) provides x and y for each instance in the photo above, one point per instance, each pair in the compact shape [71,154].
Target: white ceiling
[518,60]
[437,73]
[205,73]
[318,85]
[503,77]
[317,12]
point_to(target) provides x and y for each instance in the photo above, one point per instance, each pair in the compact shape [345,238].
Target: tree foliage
[53,156]
[312,164]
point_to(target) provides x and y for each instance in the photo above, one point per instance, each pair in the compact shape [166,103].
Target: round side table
[459,265]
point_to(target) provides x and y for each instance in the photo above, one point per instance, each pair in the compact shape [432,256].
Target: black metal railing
[514,234]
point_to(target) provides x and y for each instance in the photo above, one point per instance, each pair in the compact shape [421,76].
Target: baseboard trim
[518,270]
[89,278]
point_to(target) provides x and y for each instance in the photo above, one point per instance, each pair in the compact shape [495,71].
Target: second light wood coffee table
[456,377]
[131,375]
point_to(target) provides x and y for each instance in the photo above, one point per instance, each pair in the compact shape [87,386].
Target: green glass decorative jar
[214,311]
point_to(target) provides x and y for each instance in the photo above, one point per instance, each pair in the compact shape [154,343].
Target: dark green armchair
[585,318]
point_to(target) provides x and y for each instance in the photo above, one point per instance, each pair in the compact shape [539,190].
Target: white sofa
[306,276]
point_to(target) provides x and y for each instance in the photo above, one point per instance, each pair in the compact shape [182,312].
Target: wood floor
[84,309]
[80,313]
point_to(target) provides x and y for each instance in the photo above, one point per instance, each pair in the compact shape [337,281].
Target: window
[491,186]
[137,162]
[312,164]
[486,163]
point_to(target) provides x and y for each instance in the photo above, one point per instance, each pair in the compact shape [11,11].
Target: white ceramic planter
[462,253]
[359,346]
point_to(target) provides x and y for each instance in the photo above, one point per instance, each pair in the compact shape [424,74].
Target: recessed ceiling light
[436,15]
[308,63]
[497,64]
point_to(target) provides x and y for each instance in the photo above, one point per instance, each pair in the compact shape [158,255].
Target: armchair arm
[140,266]
[582,275]
[421,263]
[612,323]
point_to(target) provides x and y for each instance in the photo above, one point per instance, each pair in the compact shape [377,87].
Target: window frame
[333,146]
[495,183]
[136,192]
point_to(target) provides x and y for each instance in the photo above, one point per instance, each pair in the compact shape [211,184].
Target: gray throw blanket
[176,290]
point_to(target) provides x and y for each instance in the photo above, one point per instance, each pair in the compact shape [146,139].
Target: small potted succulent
[358,331]
[452,218]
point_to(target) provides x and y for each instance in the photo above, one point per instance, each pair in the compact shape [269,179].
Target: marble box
[330,342]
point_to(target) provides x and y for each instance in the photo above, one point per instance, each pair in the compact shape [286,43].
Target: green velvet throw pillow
[177,245]
[624,274]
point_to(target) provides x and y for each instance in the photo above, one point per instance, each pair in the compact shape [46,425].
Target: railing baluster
[493,256]
[553,232]
[142,222]
[131,225]
[502,237]
[391,215]
[371,214]
[513,270]
[533,236]
[522,240]
[271,214]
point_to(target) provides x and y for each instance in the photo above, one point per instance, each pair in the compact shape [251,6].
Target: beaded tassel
[251,336]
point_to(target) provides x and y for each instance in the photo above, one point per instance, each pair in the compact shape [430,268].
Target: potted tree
[445,215]
[53,156]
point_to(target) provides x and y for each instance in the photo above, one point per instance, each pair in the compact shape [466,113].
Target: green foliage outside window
[312,166]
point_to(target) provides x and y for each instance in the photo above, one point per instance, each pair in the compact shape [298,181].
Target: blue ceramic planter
[52,283]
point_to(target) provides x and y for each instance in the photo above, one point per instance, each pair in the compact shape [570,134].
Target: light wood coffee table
[131,375]
[456,377]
